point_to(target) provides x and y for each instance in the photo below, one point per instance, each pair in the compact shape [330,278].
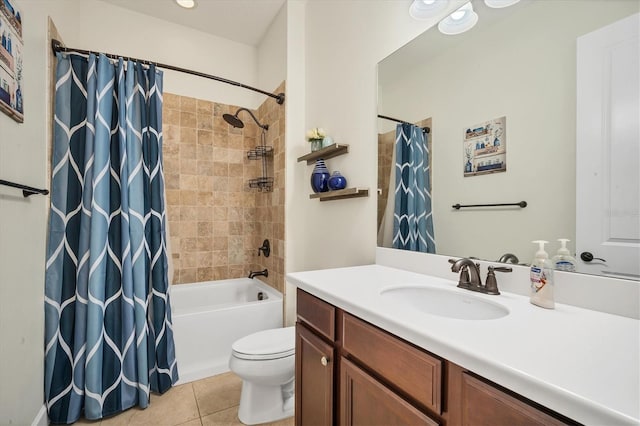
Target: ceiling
[243,21]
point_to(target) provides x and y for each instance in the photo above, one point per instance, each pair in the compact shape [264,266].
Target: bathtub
[209,316]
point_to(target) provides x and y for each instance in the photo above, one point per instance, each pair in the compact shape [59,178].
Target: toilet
[265,361]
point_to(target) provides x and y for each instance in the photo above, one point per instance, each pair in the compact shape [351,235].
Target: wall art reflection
[485,147]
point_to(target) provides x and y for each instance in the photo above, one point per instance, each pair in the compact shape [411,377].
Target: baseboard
[41,418]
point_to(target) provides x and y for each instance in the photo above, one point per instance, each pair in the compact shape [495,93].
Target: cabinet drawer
[411,370]
[317,314]
[365,401]
[484,404]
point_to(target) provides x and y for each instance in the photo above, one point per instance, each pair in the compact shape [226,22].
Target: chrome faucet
[469,273]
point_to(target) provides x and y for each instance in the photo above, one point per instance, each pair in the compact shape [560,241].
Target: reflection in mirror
[539,65]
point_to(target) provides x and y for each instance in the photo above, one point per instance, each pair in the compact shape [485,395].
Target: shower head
[236,122]
[233,120]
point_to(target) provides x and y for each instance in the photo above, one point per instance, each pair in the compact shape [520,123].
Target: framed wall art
[11,48]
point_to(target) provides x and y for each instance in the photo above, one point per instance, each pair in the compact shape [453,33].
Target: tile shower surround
[216,223]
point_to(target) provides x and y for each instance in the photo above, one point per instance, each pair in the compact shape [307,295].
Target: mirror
[518,63]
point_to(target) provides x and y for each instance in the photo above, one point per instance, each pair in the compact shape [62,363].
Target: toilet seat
[267,344]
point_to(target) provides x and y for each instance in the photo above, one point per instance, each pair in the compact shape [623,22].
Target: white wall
[98,26]
[344,40]
[272,53]
[295,126]
[94,25]
[510,69]
[22,233]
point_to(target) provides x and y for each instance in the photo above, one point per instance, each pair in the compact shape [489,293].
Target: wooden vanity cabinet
[485,404]
[315,361]
[350,372]
[315,374]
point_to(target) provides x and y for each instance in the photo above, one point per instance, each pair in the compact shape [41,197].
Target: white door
[608,150]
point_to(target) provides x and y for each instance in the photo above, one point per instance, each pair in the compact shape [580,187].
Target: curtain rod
[424,129]
[57,46]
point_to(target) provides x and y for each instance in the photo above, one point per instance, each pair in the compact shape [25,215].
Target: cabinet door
[314,379]
[365,401]
[483,404]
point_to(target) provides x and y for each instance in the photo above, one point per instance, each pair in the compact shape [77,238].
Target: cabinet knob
[324,361]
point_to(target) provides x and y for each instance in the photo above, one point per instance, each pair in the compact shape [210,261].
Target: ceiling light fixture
[459,21]
[187,4]
[499,4]
[426,9]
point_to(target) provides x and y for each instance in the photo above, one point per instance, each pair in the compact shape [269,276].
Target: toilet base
[262,404]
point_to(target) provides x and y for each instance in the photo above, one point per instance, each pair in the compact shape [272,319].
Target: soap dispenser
[563,261]
[541,275]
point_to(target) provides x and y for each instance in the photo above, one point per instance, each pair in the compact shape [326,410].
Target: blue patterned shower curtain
[108,334]
[412,216]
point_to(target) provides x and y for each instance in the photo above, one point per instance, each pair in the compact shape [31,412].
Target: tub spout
[264,273]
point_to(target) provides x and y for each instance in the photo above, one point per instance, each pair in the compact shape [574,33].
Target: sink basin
[445,303]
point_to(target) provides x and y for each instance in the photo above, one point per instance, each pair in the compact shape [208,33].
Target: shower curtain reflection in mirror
[408,222]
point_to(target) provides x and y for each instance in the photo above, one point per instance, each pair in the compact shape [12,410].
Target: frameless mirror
[521,65]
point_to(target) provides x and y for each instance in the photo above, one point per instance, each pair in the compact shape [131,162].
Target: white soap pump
[563,261]
[541,275]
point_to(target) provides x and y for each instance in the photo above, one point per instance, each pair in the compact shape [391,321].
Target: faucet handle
[491,283]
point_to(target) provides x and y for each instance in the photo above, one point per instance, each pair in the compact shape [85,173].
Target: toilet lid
[266,344]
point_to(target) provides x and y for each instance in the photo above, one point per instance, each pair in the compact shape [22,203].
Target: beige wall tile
[188,275]
[205,260]
[204,121]
[171,133]
[204,137]
[171,101]
[220,272]
[188,136]
[188,119]
[187,104]
[204,107]
[171,117]
[220,138]
[204,274]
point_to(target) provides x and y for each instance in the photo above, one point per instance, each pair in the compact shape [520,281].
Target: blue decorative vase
[320,177]
[337,181]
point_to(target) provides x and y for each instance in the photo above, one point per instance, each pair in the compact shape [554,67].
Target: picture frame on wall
[11,71]
[485,147]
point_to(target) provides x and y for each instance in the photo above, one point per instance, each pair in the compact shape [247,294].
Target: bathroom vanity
[363,357]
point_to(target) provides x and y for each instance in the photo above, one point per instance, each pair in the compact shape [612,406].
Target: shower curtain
[412,216]
[108,335]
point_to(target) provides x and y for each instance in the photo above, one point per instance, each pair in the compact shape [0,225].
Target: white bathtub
[209,316]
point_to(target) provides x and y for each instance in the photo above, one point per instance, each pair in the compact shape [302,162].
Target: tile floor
[206,402]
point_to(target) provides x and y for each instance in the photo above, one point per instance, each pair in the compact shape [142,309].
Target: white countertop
[583,364]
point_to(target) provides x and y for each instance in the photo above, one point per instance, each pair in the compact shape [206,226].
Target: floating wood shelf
[341,194]
[328,152]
